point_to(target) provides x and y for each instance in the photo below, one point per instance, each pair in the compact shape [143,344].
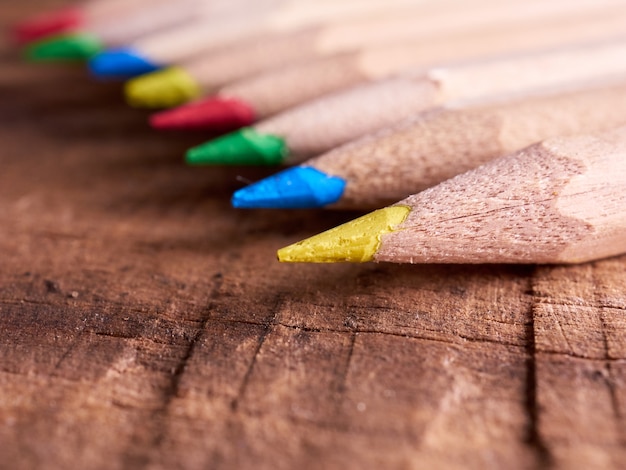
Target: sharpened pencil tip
[295,188]
[162,89]
[356,241]
[121,63]
[213,114]
[243,147]
[70,47]
[48,24]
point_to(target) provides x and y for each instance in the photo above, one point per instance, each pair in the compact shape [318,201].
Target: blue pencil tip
[121,63]
[300,187]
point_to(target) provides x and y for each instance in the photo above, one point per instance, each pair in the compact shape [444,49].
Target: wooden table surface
[145,324]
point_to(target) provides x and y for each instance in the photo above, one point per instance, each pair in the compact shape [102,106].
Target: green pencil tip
[70,47]
[243,147]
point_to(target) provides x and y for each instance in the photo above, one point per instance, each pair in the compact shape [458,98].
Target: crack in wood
[344,374]
[610,360]
[533,434]
[608,377]
[267,328]
[615,405]
[570,348]
[107,334]
[67,352]
[376,332]
[594,305]
[351,428]
[171,391]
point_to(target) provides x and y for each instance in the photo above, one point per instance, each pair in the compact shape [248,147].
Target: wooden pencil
[210,32]
[315,127]
[115,24]
[559,201]
[210,70]
[434,146]
[274,91]
[92,16]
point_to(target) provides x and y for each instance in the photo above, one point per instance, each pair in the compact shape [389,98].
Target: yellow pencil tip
[356,241]
[162,89]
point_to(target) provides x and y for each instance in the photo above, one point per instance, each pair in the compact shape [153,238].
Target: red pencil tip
[215,114]
[46,24]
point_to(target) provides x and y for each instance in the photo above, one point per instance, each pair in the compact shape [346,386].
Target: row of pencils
[498,125]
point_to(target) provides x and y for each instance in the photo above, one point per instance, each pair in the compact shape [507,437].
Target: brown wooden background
[145,324]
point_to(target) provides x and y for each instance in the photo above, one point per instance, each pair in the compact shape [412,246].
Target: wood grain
[557,201]
[441,143]
[144,324]
[302,82]
[323,124]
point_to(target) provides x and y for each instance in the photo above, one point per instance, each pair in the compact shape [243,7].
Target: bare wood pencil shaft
[281,89]
[104,10]
[560,201]
[280,16]
[117,24]
[107,9]
[395,26]
[325,123]
[436,145]
[255,55]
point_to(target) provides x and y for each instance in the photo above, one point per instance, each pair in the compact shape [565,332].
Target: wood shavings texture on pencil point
[433,146]
[559,201]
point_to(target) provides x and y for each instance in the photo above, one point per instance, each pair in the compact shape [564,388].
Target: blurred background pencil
[318,126]
[80,33]
[94,17]
[279,89]
[168,19]
[559,201]
[208,71]
[433,146]
[210,32]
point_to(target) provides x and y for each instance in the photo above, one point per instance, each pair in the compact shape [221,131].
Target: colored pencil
[79,33]
[328,122]
[209,33]
[277,90]
[559,201]
[90,16]
[212,70]
[167,19]
[433,146]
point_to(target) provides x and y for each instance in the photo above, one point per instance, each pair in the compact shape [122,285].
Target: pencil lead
[214,114]
[66,47]
[243,147]
[356,241]
[121,63]
[295,188]
[48,24]
[162,89]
